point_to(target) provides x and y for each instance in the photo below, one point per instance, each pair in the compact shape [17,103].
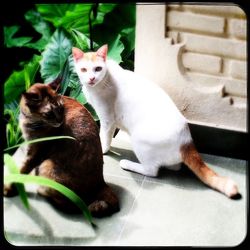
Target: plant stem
[40,140]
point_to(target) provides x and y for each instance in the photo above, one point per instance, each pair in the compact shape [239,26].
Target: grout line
[157,181]
[133,204]
[125,177]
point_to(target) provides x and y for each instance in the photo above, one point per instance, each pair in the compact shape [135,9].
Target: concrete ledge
[218,141]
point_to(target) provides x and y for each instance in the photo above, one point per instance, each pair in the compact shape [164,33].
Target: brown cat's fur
[77,164]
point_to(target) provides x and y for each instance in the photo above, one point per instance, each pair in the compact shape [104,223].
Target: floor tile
[110,228]
[233,168]
[167,215]
[174,209]
[43,225]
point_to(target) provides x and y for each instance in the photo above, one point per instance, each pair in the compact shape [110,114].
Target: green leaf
[77,18]
[13,132]
[115,49]
[41,27]
[128,39]
[76,92]
[15,84]
[26,78]
[22,178]
[82,41]
[13,169]
[55,55]
[38,24]
[102,10]
[92,111]
[41,140]
[117,30]
[54,12]
[81,98]
[11,41]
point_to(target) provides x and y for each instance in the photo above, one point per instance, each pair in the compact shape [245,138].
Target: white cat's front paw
[105,149]
[124,164]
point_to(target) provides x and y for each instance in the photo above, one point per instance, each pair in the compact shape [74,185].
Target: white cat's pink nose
[92,79]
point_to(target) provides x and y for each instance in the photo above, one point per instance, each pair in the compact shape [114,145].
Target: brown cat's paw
[10,190]
[106,203]
[99,208]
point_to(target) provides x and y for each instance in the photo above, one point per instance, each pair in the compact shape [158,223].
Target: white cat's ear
[77,53]
[102,52]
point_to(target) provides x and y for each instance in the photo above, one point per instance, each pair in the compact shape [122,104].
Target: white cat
[159,133]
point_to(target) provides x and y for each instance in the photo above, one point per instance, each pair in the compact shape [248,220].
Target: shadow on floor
[120,153]
[182,178]
[47,235]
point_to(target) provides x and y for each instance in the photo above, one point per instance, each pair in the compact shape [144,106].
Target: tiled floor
[175,209]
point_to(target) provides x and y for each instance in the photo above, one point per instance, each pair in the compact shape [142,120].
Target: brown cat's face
[42,104]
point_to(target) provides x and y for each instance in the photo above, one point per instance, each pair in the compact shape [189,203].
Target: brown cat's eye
[98,69]
[83,69]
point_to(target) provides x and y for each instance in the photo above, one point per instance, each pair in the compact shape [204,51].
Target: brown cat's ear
[31,96]
[77,53]
[55,85]
[102,52]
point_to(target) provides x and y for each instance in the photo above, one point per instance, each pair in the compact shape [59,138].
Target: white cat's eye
[83,69]
[98,69]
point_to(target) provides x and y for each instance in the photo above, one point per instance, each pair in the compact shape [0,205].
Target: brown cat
[77,164]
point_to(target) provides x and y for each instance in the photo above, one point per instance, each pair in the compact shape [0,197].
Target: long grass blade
[40,140]
[24,179]
[13,169]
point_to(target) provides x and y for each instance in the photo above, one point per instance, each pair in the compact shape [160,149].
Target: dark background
[13,14]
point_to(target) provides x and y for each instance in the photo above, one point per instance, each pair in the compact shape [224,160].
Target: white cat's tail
[193,160]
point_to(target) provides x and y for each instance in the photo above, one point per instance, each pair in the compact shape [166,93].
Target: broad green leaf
[55,55]
[76,91]
[103,9]
[38,24]
[92,111]
[41,27]
[117,31]
[13,169]
[128,39]
[115,49]
[11,41]
[82,41]
[81,98]
[24,179]
[54,12]
[77,18]
[15,84]
[120,18]
[115,45]
[65,76]
[41,140]
[74,82]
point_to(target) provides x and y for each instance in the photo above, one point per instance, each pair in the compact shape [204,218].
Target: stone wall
[197,54]
[215,46]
